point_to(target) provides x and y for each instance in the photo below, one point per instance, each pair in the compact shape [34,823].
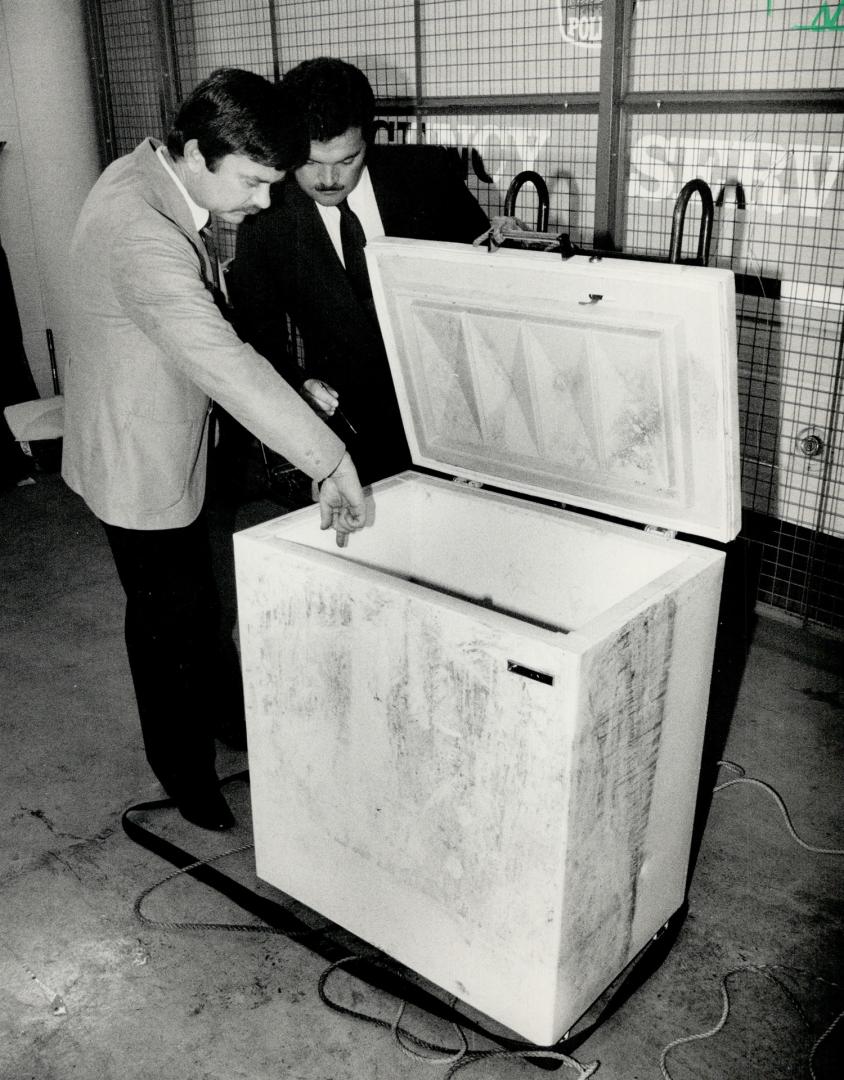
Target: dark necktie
[353,239]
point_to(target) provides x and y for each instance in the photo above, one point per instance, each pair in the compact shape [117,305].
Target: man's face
[333,168]
[237,187]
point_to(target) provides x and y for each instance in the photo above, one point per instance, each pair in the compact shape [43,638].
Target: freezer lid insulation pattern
[609,386]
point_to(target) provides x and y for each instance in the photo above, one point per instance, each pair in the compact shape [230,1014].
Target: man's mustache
[324,188]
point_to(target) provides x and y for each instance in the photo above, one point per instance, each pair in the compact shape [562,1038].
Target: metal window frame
[100,81]
[169,82]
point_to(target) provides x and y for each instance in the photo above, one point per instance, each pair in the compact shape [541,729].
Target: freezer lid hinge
[657,530]
[466,482]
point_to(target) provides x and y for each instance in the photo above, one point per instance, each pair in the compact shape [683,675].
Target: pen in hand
[340,412]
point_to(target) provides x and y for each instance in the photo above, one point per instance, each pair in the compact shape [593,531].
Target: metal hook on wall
[679,220]
[731,200]
[734,186]
[516,185]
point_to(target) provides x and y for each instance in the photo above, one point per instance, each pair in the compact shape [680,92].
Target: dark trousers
[184,665]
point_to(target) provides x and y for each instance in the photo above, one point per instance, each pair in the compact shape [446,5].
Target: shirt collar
[199,214]
[357,199]
[362,191]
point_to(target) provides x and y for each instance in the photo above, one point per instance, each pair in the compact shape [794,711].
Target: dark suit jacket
[285,263]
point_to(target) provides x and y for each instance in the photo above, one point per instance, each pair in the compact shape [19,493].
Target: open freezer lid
[605,384]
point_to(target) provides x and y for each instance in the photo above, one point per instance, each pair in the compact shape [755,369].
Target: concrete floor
[88,991]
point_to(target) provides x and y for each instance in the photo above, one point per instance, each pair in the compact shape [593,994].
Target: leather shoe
[207,809]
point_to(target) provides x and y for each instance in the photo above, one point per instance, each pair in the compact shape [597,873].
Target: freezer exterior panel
[475,732]
[502,805]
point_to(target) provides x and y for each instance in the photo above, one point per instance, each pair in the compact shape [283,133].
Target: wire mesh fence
[131,47]
[734,45]
[494,81]
[778,225]
[497,147]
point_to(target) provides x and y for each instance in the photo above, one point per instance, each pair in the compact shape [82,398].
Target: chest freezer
[475,732]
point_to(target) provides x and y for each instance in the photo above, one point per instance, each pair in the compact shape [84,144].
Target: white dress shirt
[199,214]
[362,201]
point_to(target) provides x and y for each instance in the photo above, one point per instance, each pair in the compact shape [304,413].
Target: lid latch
[658,530]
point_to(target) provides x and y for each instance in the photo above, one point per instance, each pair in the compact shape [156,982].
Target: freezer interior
[545,566]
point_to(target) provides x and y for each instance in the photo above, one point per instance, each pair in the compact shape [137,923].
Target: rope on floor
[463,1057]
[446,1054]
[158,924]
[583,1071]
[743,779]
[405,1040]
[459,1058]
[767,971]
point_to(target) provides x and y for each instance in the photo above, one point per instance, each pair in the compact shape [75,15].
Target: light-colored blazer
[149,349]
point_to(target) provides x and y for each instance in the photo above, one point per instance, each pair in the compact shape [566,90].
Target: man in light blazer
[150,350]
[291,261]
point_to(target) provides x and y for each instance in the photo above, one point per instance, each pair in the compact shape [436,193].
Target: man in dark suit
[302,257]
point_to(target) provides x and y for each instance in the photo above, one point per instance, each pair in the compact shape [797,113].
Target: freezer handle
[530,673]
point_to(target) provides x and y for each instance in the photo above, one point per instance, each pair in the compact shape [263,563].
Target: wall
[48,164]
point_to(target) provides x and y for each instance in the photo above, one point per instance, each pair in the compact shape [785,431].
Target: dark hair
[332,96]
[238,112]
